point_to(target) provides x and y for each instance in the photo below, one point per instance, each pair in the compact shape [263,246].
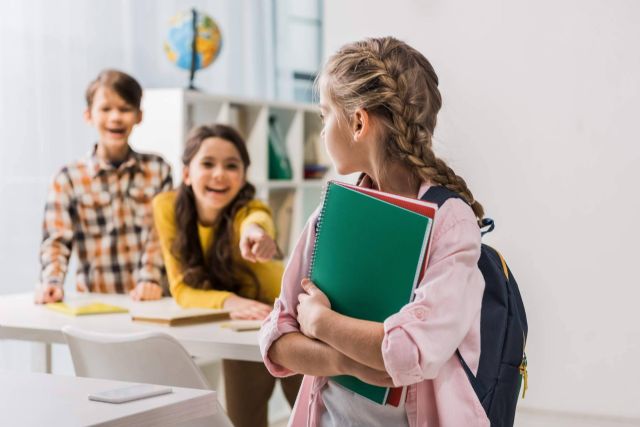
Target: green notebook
[370,252]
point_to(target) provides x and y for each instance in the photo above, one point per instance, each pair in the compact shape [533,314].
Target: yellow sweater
[269,273]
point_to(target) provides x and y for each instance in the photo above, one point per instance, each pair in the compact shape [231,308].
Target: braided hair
[397,84]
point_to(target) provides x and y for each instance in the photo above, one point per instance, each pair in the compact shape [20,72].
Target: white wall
[539,102]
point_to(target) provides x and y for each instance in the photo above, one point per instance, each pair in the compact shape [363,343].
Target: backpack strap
[475,384]
[438,194]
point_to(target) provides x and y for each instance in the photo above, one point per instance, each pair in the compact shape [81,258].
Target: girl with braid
[218,243]
[379,100]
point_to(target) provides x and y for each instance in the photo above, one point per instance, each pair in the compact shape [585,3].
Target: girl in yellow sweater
[218,244]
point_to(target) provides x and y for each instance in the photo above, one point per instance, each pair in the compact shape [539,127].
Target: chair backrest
[146,357]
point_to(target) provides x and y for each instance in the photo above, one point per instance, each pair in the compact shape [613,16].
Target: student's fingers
[135,294]
[151,291]
[315,293]
[238,315]
[245,314]
[146,291]
[156,291]
[308,286]
[265,250]
[246,307]
[48,293]
[302,297]
[255,311]
[246,249]
[57,294]
[262,313]
[371,376]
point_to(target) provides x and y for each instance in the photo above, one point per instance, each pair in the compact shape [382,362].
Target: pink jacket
[420,341]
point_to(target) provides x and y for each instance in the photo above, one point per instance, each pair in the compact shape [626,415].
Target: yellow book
[85,307]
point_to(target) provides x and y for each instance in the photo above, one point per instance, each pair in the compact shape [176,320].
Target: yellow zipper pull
[523,372]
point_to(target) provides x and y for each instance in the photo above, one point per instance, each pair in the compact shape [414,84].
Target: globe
[181,38]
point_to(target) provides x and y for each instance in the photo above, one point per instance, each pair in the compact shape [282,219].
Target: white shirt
[346,408]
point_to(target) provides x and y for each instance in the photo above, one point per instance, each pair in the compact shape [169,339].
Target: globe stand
[194,55]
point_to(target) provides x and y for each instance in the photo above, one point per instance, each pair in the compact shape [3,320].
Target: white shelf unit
[169,115]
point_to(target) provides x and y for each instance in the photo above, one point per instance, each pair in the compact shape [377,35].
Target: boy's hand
[256,244]
[48,293]
[146,291]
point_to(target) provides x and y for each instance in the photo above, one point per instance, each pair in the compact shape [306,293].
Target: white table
[21,319]
[33,399]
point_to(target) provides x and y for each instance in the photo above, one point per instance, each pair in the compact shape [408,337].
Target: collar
[364,180]
[98,165]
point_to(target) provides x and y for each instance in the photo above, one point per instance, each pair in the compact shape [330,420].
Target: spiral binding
[325,196]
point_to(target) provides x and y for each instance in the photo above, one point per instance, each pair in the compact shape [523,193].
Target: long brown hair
[398,85]
[217,270]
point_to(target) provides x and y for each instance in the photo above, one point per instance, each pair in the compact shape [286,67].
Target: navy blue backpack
[503,331]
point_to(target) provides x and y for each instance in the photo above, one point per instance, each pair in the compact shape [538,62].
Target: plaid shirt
[106,213]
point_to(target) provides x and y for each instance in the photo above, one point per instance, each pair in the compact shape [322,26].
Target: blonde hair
[397,84]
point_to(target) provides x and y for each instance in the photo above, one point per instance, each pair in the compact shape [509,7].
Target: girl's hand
[364,373]
[246,309]
[48,293]
[256,244]
[146,291]
[312,305]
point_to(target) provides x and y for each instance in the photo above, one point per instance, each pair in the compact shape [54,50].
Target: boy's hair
[121,83]
[218,269]
[397,84]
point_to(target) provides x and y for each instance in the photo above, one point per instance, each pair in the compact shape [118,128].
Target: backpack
[503,330]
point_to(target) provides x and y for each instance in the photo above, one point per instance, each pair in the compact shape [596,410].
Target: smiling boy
[101,204]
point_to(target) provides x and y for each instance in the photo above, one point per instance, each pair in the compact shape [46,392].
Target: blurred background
[540,102]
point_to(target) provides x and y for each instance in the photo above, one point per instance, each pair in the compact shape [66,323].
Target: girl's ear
[185,176]
[87,115]
[360,124]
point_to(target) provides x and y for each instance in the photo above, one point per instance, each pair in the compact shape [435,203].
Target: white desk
[21,319]
[31,399]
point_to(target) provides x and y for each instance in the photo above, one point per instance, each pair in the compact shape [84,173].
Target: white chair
[145,357]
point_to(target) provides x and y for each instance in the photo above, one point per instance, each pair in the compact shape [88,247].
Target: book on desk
[83,308]
[176,316]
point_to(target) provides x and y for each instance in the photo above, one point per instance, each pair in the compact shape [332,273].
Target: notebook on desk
[82,308]
[176,316]
[370,253]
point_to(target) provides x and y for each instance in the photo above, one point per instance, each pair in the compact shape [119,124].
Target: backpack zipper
[523,367]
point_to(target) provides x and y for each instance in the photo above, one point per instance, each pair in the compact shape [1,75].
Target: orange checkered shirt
[105,212]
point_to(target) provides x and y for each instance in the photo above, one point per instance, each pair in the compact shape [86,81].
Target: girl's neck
[396,179]
[206,218]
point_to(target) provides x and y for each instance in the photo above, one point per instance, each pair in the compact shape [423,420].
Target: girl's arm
[360,340]
[312,357]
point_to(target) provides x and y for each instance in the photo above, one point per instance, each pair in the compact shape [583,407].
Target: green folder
[368,258]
